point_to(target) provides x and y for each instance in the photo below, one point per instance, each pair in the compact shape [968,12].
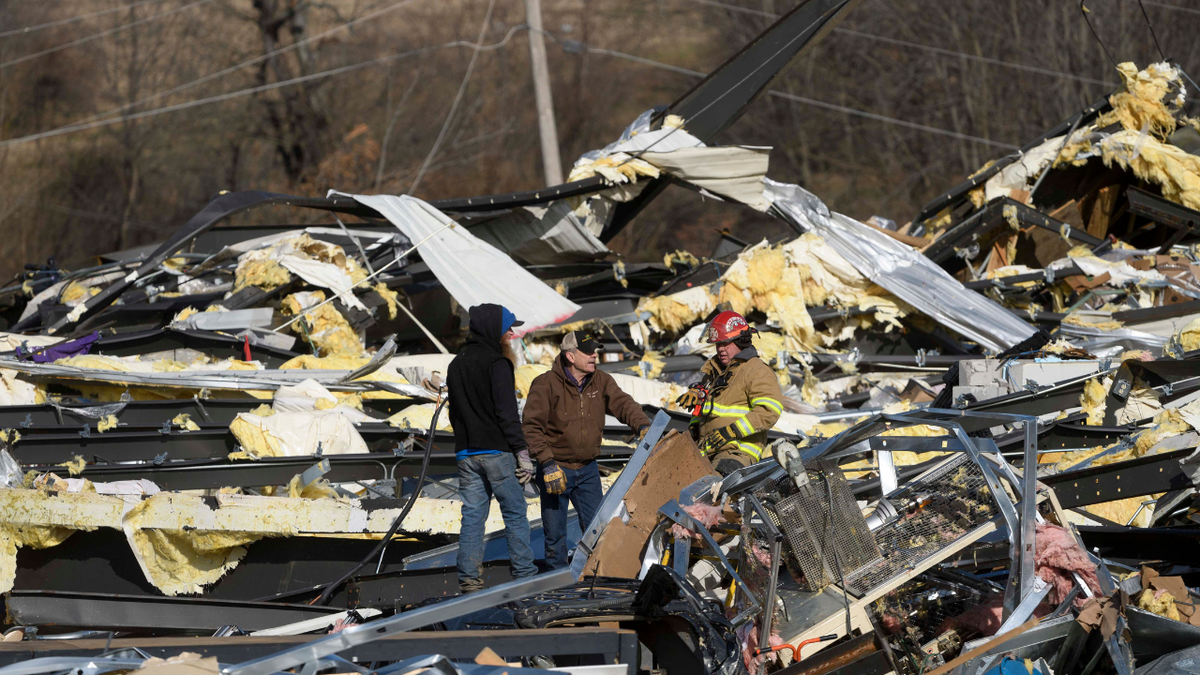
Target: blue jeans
[480,477]
[585,492]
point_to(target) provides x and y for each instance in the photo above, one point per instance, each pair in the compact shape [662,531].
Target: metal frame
[611,504]
[751,505]
[674,512]
[1020,530]
[400,623]
[616,645]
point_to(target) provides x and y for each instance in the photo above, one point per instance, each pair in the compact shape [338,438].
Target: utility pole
[541,89]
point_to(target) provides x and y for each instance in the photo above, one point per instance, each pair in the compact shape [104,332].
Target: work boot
[470,587]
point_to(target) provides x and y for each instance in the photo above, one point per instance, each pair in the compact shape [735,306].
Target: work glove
[637,436]
[719,438]
[554,478]
[691,398]
[525,467]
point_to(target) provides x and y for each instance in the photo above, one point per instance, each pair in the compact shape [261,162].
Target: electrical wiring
[259,89]
[26,30]
[97,36]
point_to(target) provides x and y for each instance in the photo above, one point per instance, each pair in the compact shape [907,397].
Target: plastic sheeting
[473,271]
[1107,343]
[298,434]
[310,396]
[902,270]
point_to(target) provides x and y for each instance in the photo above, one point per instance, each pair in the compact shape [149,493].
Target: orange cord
[795,649]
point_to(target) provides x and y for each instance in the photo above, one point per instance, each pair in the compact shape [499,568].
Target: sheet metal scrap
[1008,469]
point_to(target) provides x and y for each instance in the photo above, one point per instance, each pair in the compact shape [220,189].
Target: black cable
[1152,34]
[329,588]
[837,563]
[1084,10]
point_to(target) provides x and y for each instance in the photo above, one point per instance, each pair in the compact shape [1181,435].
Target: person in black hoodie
[493,459]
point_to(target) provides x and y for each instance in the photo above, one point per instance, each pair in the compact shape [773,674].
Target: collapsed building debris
[234,445]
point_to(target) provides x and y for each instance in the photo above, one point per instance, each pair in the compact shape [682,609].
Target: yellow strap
[744,426]
[748,448]
[769,403]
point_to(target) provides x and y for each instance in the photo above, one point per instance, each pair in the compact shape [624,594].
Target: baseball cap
[583,341]
[508,320]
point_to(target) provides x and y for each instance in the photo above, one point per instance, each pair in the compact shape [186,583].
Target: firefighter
[737,399]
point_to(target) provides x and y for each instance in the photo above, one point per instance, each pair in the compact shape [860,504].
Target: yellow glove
[719,438]
[691,398]
[553,478]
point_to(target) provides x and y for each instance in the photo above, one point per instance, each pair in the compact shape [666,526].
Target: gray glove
[525,468]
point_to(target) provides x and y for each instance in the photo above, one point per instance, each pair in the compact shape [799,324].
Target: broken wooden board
[675,464]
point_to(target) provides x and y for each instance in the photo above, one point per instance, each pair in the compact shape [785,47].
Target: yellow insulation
[75,466]
[763,279]
[1189,336]
[254,439]
[678,312]
[524,376]
[1175,171]
[76,291]
[105,423]
[180,562]
[318,489]
[329,331]
[1092,400]
[419,417]
[185,313]
[1122,510]
[14,537]
[184,421]
[1139,103]
[392,298]
[262,272]
[1162,605]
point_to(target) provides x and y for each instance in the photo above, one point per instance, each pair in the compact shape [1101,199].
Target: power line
[927,48]
[97,36]
[1174,7]
[261,88]
[62,22]
[815,102]
[462,88]
[231,69]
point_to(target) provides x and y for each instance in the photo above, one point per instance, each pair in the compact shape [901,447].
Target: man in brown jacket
[563,425]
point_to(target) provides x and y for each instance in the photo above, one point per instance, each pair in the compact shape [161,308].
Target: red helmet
[728,326]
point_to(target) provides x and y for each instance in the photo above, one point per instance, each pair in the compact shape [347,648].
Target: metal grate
[804,516]
[935,510]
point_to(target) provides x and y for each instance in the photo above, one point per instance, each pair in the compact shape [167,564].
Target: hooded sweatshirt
[482,389]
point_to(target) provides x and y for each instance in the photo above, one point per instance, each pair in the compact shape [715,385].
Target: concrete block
[1049,373]
[981,393]
[979,372]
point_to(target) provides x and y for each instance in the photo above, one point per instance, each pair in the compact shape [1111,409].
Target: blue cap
[508,320]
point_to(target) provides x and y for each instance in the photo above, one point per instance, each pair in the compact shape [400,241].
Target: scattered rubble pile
[989,449]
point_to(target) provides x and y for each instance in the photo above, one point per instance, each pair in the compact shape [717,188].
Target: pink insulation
[984,619]
[748,638]
[1058,555]
[706,515]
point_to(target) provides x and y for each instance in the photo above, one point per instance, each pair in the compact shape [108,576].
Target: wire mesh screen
[822,525]
[934,511]
[755,569]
